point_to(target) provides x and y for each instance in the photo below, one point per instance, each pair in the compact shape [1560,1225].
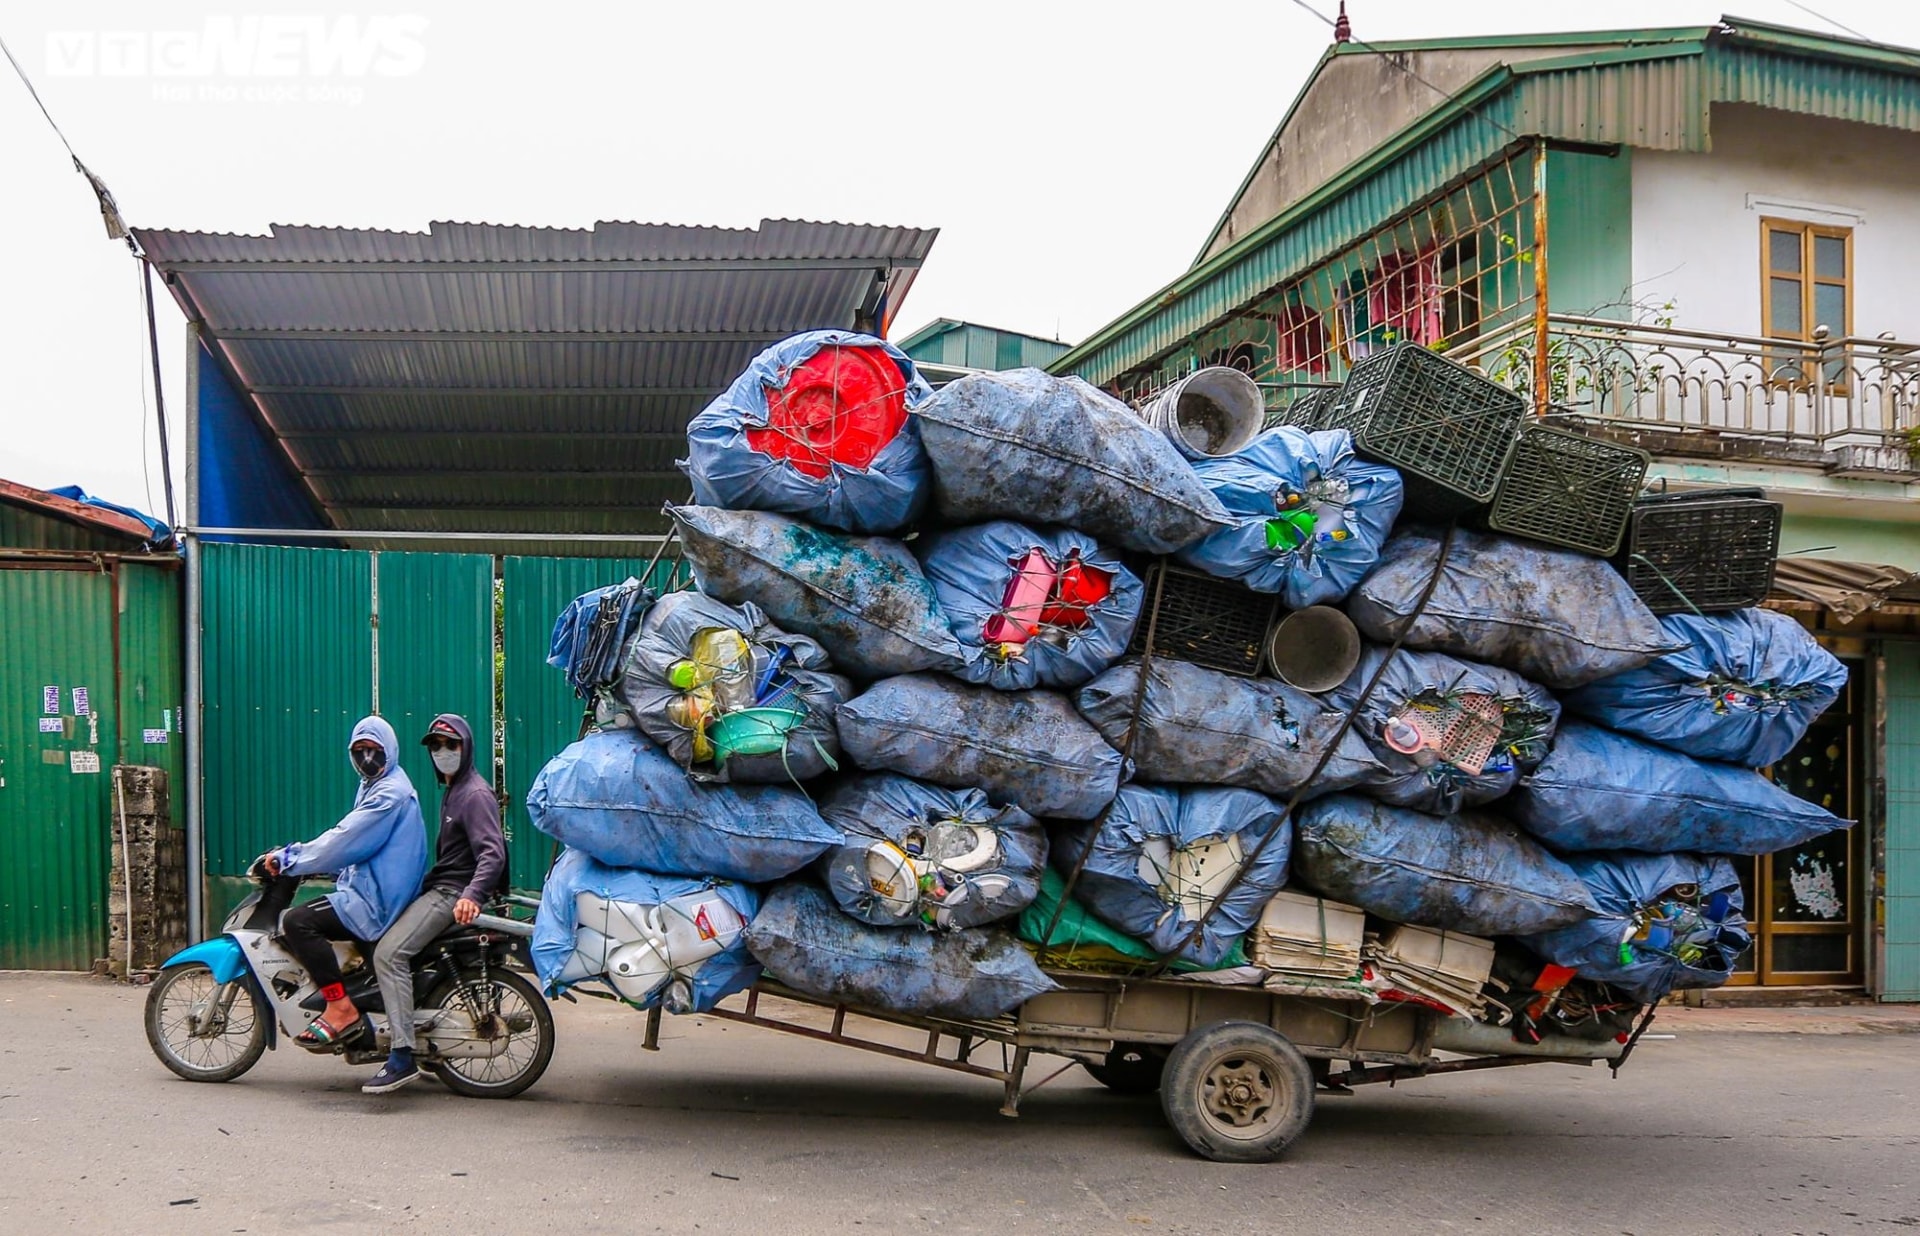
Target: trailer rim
[1237,1092]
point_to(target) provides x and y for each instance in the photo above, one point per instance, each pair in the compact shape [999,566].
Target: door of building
[1805,904]
[57,747]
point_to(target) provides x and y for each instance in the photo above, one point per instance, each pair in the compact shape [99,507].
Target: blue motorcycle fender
[221,955]
[228,961]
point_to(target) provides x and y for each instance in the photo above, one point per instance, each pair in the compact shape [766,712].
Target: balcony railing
[1851,405]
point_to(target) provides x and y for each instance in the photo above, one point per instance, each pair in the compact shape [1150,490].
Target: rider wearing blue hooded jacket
[377,855]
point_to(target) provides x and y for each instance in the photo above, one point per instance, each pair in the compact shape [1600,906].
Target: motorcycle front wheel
[503,1007]
[203,1030]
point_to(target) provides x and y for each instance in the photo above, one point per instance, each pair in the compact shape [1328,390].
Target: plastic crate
[1448,430]
[1569,490]
[1306,412]
[1710,551]
[1210,622]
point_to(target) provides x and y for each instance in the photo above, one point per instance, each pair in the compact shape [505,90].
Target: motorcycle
[482,1029]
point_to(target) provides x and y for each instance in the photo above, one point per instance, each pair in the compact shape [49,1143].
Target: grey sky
[1074,155]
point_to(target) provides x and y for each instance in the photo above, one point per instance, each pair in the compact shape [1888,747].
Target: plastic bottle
[726,664]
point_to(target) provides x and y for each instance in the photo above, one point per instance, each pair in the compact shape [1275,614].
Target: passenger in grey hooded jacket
[470,866]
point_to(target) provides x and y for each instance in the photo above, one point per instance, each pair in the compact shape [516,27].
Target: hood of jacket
[458,724]
[377,729]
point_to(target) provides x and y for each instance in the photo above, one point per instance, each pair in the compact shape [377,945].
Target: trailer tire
[1131,1068]
[1237,1092]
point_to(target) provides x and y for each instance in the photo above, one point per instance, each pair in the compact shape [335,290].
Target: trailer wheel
[1237,1092]
[1131,1068]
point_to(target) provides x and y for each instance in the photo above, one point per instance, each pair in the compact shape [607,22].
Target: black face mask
[370,763]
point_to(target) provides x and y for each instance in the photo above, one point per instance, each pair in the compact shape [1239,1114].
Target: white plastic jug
[937,870]
[1192,877]
[648,944]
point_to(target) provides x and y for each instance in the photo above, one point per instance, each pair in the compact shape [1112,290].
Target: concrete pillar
[147,887]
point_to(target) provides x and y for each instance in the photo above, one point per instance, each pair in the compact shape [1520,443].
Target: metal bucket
[1314,649]
[1214,411]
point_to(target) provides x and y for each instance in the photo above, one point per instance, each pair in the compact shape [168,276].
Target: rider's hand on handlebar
[270,862]
[465,911]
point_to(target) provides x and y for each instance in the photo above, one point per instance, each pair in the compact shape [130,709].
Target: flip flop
[320,1035]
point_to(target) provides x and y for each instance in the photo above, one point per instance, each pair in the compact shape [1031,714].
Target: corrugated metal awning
[1846,589]
[480,377]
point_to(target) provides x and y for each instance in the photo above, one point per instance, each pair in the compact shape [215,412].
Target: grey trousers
[429,915]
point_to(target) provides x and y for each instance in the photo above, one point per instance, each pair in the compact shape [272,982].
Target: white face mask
[447,761]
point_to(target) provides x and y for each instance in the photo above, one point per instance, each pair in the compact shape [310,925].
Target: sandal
[320,1035]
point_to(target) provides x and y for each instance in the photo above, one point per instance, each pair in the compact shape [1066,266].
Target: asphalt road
[1738,1124]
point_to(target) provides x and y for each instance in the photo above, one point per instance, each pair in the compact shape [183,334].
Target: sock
[400,1058]
[332,993]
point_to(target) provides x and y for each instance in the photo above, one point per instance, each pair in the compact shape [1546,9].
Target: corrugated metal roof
[79,514]
[1647,88]
[481,377]
[499,242]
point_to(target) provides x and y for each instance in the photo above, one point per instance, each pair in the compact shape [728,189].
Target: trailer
[1237,1068]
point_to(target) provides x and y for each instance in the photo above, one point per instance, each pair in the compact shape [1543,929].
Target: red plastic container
[842,405]
[1079,588]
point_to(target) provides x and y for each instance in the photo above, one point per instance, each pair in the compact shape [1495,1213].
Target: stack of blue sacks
[923,692]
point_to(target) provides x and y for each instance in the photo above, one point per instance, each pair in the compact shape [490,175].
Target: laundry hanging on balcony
[1398,301]
[1301,342]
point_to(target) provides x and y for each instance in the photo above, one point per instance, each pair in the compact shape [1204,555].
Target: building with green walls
[91,676]
[945,348]
[1703,241]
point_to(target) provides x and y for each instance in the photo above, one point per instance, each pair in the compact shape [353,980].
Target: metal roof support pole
[196,749]
[1542,362]
[190,722]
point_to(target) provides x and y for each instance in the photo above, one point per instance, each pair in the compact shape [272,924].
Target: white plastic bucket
[1214,411]
[1314,649]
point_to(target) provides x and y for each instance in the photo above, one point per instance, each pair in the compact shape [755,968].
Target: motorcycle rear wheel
[520,1013]
[202,1030]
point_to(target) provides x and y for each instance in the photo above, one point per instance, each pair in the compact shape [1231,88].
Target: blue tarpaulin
[1559,618]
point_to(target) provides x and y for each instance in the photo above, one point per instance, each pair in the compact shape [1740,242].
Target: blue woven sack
[1744,689]
[1309,518]
[727,470]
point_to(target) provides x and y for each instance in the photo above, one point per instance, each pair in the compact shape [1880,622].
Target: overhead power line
[1401,64]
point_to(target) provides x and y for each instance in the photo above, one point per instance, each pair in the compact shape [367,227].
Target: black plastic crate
[1708,551]
[1448,430]
[1306,412]
[1569,490]
[1210,622]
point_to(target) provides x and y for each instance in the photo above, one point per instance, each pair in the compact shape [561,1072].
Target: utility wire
[117,230]
[28,83]
[1448,95]
[109,209]
[1819,16]
[146,469]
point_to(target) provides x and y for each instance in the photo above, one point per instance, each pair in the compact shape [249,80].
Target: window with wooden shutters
[1806,282]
